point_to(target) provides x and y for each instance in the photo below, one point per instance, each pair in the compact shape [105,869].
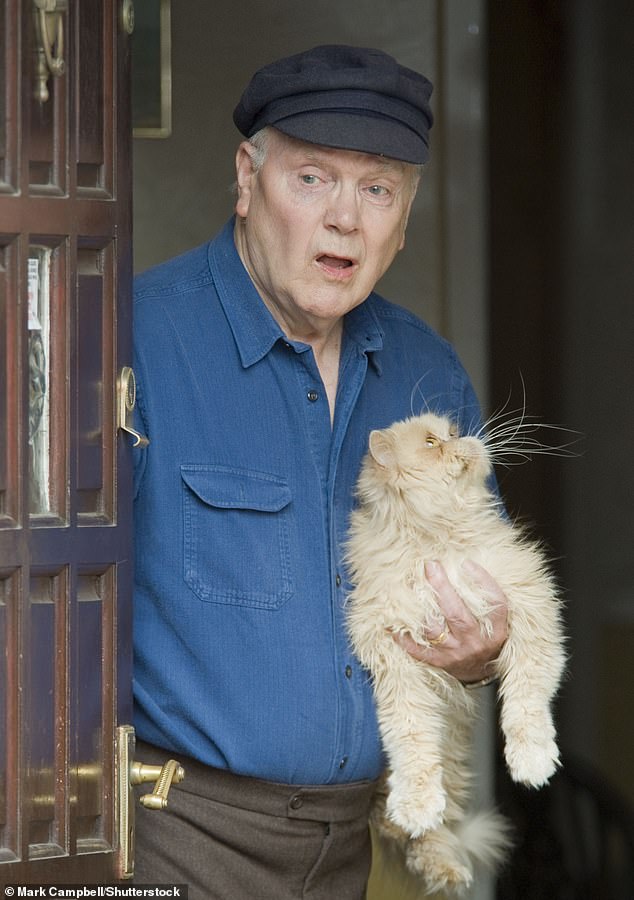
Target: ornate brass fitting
[49,31]
[166,775]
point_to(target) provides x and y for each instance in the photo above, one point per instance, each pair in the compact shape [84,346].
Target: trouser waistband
[318,803]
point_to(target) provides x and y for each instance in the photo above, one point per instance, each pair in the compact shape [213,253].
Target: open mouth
[334,263]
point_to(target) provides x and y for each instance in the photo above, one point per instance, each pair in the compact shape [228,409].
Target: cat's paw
[532,763]
[418,807]
[438,862]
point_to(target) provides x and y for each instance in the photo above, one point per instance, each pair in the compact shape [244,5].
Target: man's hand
[460,647]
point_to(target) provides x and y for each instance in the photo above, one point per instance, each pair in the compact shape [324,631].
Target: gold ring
[442,637]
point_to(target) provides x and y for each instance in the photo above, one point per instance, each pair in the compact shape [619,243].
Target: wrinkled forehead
[359,163]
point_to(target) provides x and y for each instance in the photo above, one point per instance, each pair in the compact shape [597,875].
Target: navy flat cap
[352,98]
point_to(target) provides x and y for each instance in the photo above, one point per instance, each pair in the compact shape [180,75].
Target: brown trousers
[234,838]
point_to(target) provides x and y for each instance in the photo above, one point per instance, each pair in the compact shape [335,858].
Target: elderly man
[264,359]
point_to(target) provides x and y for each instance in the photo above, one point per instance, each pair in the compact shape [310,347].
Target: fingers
[458,644]
[453,608]
[451,605]
[407,642]
[497,600]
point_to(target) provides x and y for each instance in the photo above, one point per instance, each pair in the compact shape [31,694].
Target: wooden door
[65,497]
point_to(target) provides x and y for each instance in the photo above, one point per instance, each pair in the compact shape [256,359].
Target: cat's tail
[486,837]
[444,861]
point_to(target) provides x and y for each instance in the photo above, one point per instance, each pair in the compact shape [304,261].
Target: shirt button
[348,671]
[343,762]
[338,580]
[296,802]
[312,396]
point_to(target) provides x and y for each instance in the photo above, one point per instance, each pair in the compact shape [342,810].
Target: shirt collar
[254,329]
[362,327]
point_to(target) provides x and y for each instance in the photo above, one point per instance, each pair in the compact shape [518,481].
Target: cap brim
[364,132]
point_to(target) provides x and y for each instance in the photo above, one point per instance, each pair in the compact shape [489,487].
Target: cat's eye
[431,441]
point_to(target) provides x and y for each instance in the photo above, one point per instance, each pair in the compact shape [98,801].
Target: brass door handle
[165,776]
[126,390]
[128,773]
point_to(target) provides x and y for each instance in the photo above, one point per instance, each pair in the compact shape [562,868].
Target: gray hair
[260,143]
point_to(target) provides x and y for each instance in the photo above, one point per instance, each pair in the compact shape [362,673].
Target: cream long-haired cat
[423,495]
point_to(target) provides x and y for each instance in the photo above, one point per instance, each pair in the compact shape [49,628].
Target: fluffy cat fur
[423,495]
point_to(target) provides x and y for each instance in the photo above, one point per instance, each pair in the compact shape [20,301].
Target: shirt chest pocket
[236,533]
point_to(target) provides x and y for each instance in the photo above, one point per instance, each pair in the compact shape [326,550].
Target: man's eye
[378,190]
[309,179]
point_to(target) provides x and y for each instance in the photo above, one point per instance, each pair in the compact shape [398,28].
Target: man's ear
[244,175]
[382,449]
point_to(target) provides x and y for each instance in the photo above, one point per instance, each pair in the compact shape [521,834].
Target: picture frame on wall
[152,69]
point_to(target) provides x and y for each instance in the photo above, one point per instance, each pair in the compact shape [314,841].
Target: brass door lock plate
[130,773]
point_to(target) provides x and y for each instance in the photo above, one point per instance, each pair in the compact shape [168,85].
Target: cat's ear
[382,449]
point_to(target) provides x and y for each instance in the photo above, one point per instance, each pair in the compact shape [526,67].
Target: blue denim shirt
[242,503]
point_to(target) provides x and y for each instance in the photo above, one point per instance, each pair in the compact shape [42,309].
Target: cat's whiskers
[416,390]
[509,440]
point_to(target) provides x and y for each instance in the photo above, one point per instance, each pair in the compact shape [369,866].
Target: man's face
[318,227]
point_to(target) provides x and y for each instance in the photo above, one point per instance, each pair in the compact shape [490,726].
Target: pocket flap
[228,488]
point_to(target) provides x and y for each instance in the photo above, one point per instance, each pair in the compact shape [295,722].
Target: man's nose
[342,211]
